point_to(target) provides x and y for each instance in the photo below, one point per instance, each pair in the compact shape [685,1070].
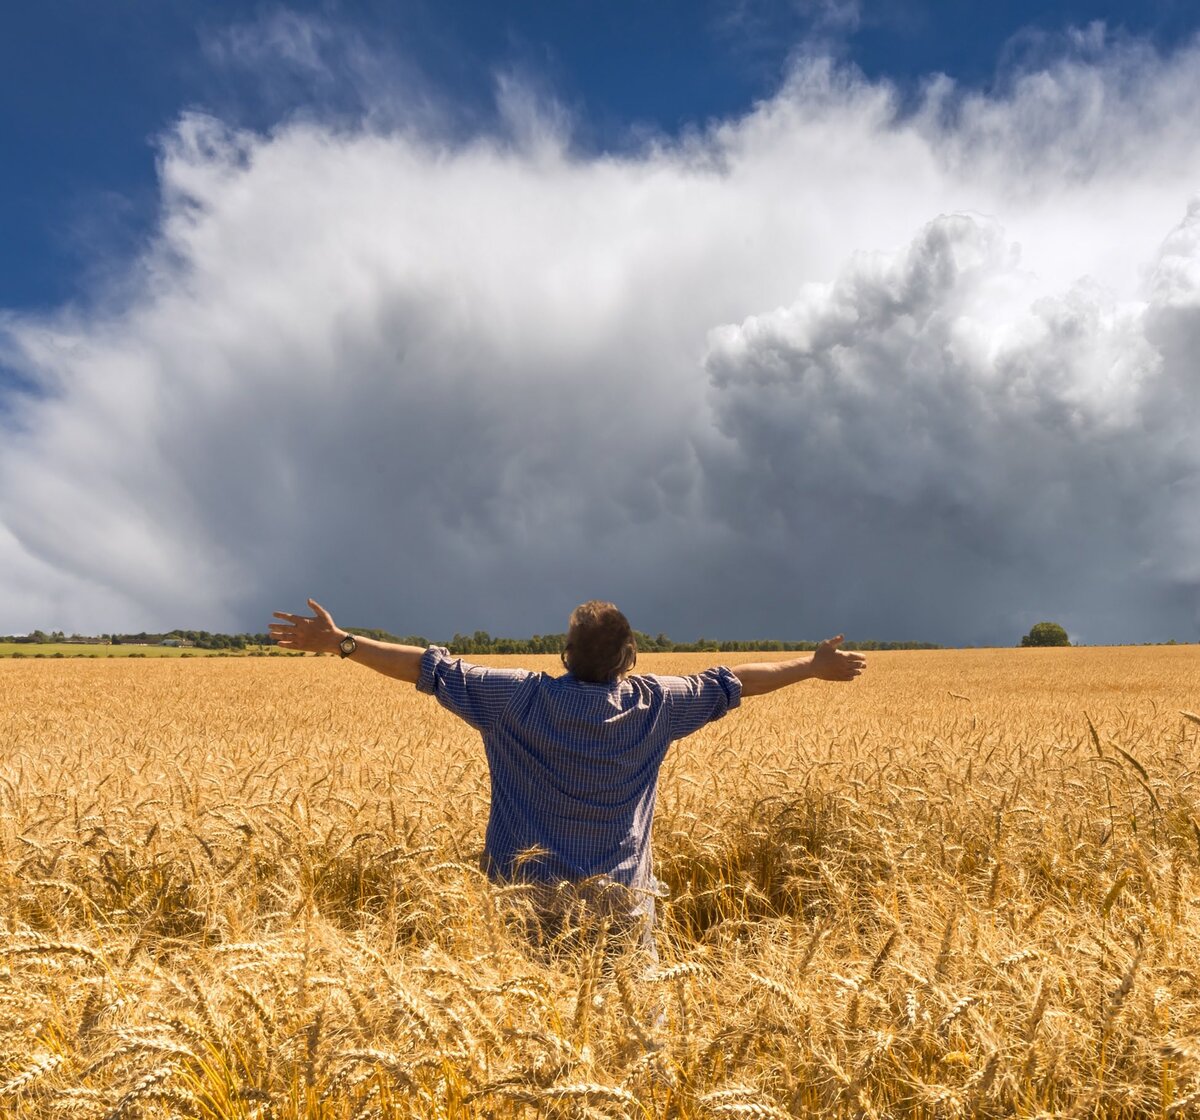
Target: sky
[760,319]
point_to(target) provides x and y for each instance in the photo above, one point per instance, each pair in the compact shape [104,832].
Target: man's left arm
[478,694]
[321,635]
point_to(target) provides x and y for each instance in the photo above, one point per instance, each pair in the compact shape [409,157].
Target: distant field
[966,885]
[71,649]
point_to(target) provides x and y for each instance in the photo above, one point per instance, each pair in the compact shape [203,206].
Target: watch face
[347,645]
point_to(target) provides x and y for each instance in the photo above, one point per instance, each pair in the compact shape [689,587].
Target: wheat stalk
[38,1068]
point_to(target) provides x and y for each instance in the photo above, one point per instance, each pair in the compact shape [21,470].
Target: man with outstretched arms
[574,759]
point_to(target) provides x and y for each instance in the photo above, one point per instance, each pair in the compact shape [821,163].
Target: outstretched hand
[313,635]
[832,664]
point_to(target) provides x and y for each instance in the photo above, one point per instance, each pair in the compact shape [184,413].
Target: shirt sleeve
[691,702]
[478,694]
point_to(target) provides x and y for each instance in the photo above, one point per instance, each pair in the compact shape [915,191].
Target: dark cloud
[982,469]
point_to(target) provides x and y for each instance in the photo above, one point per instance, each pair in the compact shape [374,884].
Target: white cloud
[1005,463]
[459,383]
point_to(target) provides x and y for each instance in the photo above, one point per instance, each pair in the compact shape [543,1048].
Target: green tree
[1046,634]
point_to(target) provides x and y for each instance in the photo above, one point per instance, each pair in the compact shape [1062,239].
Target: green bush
[1046,634]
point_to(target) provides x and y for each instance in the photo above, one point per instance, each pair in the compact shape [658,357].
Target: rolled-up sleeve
[693,701]
[478,694]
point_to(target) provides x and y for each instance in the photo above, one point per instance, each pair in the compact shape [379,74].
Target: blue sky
[82,98]
[761,319]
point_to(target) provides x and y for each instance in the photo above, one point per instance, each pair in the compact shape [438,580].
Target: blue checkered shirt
[574,765]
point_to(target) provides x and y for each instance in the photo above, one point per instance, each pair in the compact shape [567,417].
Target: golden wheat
[967,884]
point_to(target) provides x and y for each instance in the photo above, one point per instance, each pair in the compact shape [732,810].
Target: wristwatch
[347,645]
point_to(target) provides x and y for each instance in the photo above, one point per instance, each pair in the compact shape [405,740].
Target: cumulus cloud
[822,366]
[1014,458]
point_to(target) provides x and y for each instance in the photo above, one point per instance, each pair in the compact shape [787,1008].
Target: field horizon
[62,650]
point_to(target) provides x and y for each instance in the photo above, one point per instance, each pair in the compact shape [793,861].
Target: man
[574,759]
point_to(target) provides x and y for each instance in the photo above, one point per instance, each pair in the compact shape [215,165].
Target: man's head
[600,643]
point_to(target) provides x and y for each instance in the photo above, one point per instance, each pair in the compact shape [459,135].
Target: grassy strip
[75,649]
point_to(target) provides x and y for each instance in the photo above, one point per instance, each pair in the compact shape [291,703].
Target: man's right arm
[826,663]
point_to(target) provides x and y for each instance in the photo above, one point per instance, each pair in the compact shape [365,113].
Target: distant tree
[1046,634]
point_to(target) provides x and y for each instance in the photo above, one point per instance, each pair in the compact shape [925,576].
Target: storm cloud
[1037,458]
[926,374]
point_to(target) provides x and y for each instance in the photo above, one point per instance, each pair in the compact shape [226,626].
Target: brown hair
[600,643]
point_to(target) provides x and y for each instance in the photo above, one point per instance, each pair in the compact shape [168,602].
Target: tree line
[478,642]
[483,642]
[201,639]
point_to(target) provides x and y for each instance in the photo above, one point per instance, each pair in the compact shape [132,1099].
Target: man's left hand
[313,635]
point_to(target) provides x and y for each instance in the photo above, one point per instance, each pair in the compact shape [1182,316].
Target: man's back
[574,764]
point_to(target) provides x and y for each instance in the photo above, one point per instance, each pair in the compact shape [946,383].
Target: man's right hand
[832,664]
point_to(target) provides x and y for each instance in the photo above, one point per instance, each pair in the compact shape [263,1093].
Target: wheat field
[964,885]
